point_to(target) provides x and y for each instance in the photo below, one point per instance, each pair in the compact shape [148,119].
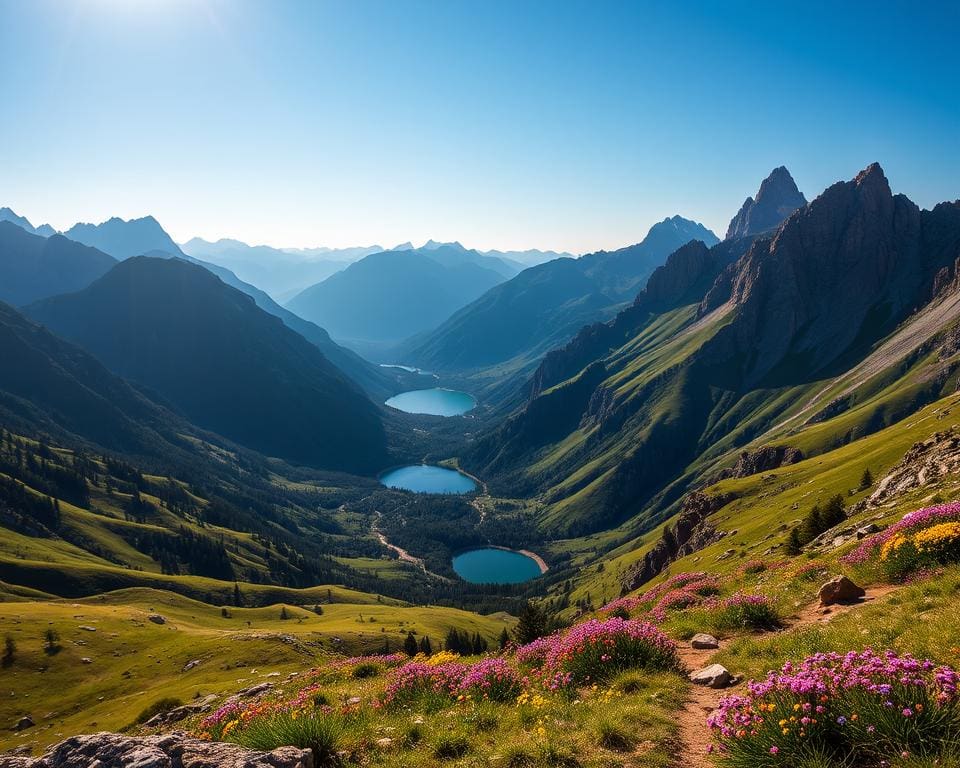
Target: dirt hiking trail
[694,734]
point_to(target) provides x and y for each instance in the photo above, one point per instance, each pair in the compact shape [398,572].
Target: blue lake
[424,478]
[433,402]
[495,566]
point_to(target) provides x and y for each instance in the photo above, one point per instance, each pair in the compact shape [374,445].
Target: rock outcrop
[840,273]
[777,199]
[690,533]
[763,459]
[925,462]
[172,750]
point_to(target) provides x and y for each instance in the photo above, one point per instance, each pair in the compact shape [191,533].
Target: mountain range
[386,297]
[228,366]
[44,230]
[519,320]
[280,272]
[34,267]
[728,346]
[123,239]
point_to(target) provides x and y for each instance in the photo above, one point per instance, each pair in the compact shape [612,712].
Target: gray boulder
[703,642]
[713,676]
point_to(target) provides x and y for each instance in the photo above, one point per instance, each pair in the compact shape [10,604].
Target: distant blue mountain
[386,297]
[544,306]
[33,267]
[125,239]
[281,272]
[44,230]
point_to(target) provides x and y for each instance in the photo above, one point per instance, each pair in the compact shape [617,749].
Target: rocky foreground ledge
[169,750]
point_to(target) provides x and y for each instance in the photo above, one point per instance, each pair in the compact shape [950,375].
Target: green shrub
[161,705]
[614,738]
[362,671]
[319,733]
[451,748]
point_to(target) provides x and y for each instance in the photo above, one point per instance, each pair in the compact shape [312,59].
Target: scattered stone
[86,660]
[353,700]
[87,628]
[160,751]
[703,642]
[840,589]
[713,676]
[190,665]
[256,690]
[867,530]
[177,714]
[156,618]
[23,723]
[385,743]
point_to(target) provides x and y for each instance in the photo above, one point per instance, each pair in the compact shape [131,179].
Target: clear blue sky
[501,124]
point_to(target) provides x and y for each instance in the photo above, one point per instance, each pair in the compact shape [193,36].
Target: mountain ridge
[252,378]
[547,304]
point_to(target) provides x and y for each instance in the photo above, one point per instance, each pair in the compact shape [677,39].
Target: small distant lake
[425,478]
[495,566]
[433,402]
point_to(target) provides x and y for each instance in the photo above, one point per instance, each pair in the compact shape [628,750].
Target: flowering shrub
[416,681]
[675,600]
[857,707]
[535,652]
[491,679]
[676,581]
[884,548]
[743,611]
[681,591]
[597,649]
[622,605]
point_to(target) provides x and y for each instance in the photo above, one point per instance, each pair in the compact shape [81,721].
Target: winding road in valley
[402,554]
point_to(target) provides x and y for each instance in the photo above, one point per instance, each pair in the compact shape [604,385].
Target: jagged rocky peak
[853,256]
[777,199]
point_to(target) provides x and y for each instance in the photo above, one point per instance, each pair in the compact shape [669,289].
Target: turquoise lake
[433,402]
[424,478]
[495,566]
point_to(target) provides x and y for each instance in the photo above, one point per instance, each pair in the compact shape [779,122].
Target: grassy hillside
[135,662]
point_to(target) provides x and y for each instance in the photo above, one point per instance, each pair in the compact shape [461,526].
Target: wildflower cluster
[743,611]
[416,681]
[596,649]
[857,706]
[491,679]
[684,590]
[921,539]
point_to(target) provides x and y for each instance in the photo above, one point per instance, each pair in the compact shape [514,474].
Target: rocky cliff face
[691,532]
[835,277]
[777,199]
[763,459]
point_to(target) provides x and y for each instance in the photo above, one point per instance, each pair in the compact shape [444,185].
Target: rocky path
[694,735]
